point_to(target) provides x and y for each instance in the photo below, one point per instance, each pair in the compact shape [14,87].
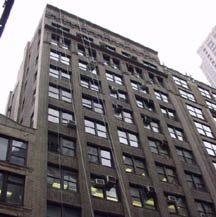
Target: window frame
[187,95]
[176,133]
[161,96]
[204,130]
[127,138]
[93,104]
[159,147]
[195,112]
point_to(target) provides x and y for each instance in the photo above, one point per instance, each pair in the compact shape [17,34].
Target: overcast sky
[174,28]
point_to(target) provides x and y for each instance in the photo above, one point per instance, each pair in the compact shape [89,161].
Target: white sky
[174,28]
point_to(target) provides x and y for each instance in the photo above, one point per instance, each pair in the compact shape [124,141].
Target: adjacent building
[207,52]
[106,130]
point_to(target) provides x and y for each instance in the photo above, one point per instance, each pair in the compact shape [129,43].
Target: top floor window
[59,57]
[114,78]
[12,150]
[204,92]
[161,96]
[180,82]
[187,95]
[149,65]
[60,27]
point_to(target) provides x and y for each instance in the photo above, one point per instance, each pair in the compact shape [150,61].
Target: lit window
[61,144]
[128,138]
[211,105]
[187,95]
[60,178]
[100,156]
[114,78]
[57,56]
[90,84]
[205,209]
[104,189]
[176,205]
[13,151]
[95,128]
[195,112]
[134,165]
[166,174]
[93,104]
[195,181]
[169,113]
[145,104]
[11,188]
[159,147]
[118,94]
[59,116]
[176,133]
[59,73]
[185,155]
[204,129]
[62,211]
[151,124]
[180,82]
[123,115]
[161,96]
[204,92]
[59,93]
[210,148]
[143,197]
[139,87]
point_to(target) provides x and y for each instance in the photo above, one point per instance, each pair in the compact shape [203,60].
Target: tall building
[207,52]
[115,133]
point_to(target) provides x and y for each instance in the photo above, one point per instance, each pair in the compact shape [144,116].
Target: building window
[128,138]
[204,129]
[112,62]
[123,115]
[59,116]
[161,96]
[136,72]
[185,155]
[166,174]
[149,65]
[59,73]
[176,205]
[93,104]
[90,67]
[145,103]
[13,151]
[180,82]
[114,78]
[134,165]
[60,27]
[54,210]
[204,92]
[210,148]
[11,188]
[86,51]
[95,128]
[104,189]
[211,105]
[60,144]
[176,133]
[59,57]
[195,112]
[205,209]
[118,94]
[187,95]
[61,178]
[151,124]
[59,93]
[90,84]
[158,147]
[139,87]
[195,181]
[168,113]
[143,197]
[100,156]
[61,42]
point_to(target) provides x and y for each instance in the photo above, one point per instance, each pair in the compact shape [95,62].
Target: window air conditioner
[171,198]
[100,183]
[110,181]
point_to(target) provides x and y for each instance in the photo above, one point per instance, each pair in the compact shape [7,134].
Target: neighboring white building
[207,52]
